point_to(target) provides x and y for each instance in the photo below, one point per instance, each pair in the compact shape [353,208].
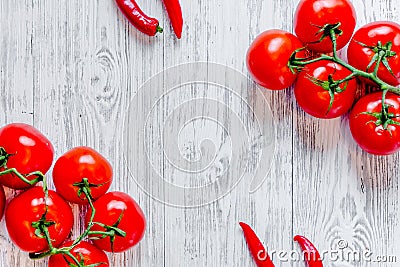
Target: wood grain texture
[71,68]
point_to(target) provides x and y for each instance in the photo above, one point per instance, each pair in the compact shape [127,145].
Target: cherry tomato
[360,52]
[109,209]
[84,252]
[27,209]
[2,201]
[79,163]
[315,99]
[366,129]
[268,56]
[29,151]
[312,15]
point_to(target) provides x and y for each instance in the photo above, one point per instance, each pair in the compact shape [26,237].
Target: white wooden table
[71,68]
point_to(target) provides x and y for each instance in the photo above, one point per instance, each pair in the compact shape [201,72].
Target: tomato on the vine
[372,39]
[27,212]
[375,131]
[84,252]
[75,165]
[28,151]
[312,15]
[268,57]
[318,94]
[118,210]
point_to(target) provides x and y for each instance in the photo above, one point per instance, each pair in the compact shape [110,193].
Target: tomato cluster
[324,84]
[39,221]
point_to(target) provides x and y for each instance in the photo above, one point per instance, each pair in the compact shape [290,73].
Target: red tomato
[2,201]
[371,137]
[30,151]
[79,163]
[314,99]
[311,15]
[268,56]
[29,208]
[360,56]
[108,210]
[84,252]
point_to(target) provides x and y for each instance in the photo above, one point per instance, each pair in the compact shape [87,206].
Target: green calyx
[42,226]
[84,191]
[327,30]
[384,118]
[110,231]
[331,86]
[382,53]
[294,63]
[4,156]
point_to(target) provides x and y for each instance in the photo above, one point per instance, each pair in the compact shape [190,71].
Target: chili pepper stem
[159,29]
[138,18]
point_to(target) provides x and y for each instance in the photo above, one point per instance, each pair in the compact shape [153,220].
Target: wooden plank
[72,67]
[342,195]
[16,91]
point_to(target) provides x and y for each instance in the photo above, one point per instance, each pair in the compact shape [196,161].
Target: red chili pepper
[174,11]
[256,248]
[141,21]
[311,254]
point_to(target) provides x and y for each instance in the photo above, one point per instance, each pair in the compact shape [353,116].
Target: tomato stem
[42,225]
[382,52]
[348,78]
[334,43]
[85,189]
[102,233]
[86,192]
[47,236]
[39,176]
[299,63]
[69,254]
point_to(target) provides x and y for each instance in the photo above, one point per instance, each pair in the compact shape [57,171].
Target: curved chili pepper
[256,248]
[174,11]
[141,21]
[311,254]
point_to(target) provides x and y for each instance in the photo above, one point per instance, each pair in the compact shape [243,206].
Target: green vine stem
[296,64]
[42,225]
[86,191]
[39,176]
[67,250]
